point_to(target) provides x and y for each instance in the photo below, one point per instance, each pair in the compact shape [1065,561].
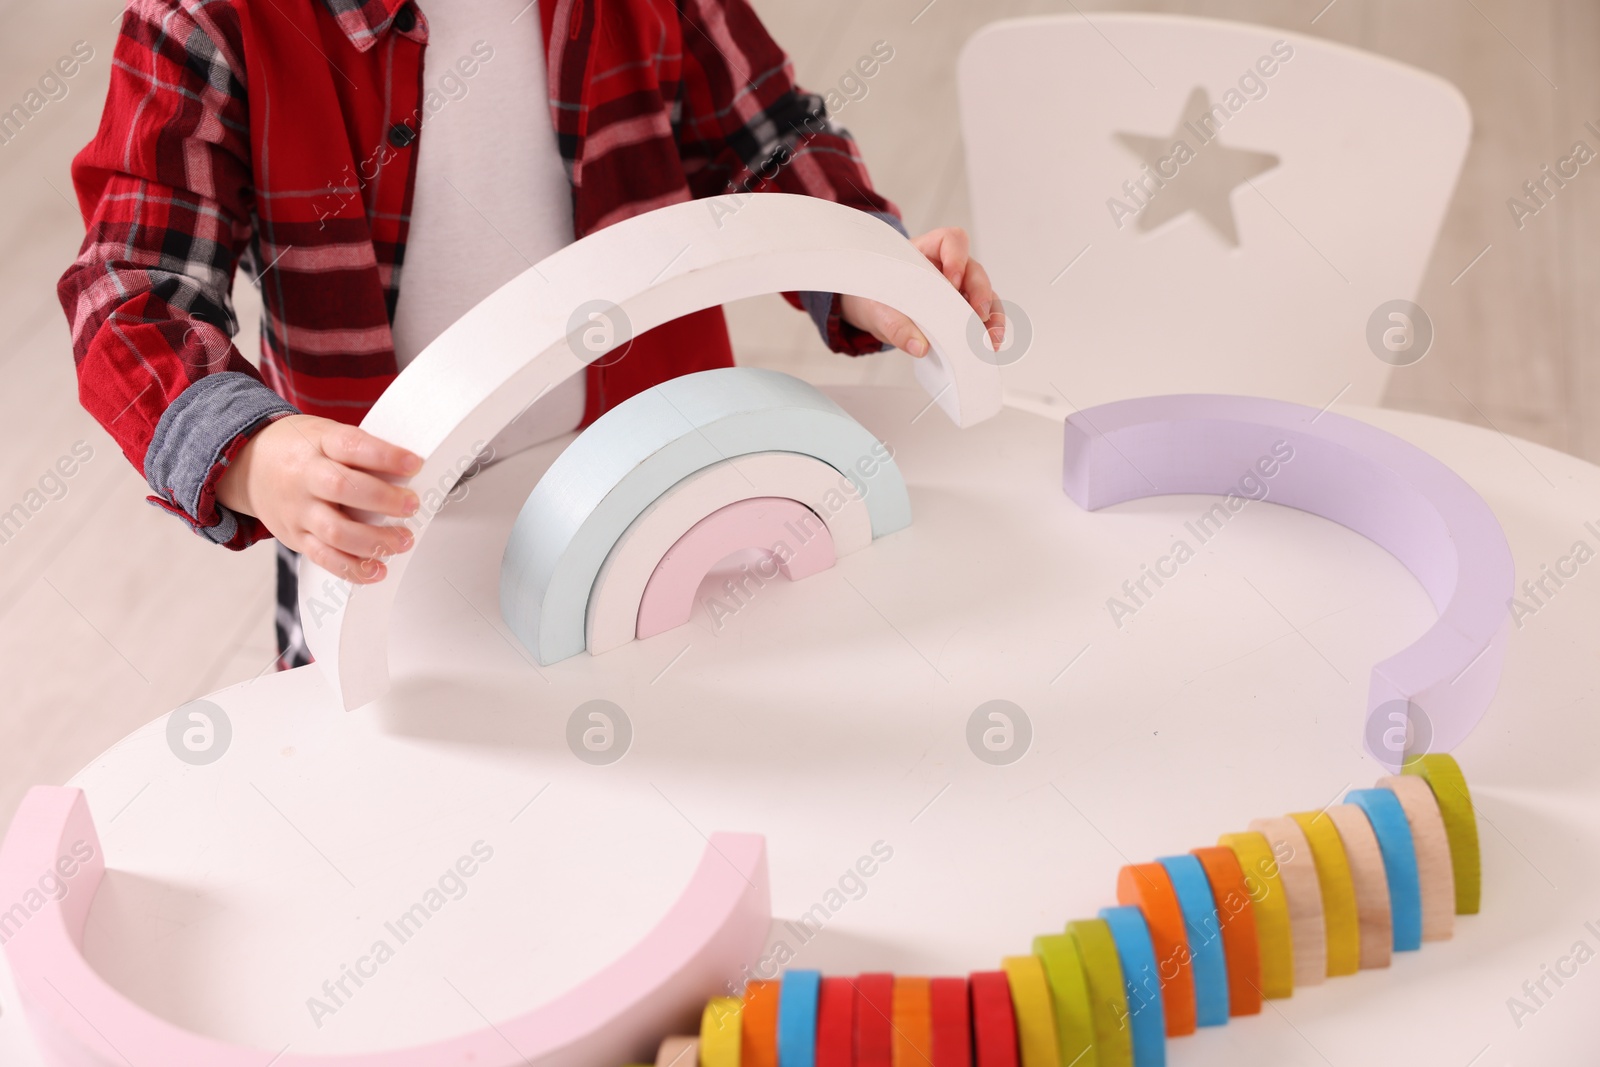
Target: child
[378,170]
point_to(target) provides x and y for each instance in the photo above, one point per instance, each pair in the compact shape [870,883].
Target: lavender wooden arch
[1383,488]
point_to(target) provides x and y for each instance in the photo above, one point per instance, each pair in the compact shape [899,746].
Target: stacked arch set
[1193,940]
[617,535]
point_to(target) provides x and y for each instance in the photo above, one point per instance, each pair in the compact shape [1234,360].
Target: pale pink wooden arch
[1387,490]
[761,523]
[513,348]
[80,1020]
[613,611]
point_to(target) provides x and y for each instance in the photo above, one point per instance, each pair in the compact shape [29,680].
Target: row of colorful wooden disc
[1194,939]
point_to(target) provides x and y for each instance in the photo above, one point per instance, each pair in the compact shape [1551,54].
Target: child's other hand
[949,249]
[299,474]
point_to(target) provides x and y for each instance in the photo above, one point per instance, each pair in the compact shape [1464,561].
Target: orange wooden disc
[1238,917]
[913,1022]
[758,1045]
[1147,887]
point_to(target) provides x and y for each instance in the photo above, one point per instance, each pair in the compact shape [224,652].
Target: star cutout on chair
[1189,170]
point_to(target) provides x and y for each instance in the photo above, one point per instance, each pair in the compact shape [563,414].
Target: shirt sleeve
[165,192]
[746,127]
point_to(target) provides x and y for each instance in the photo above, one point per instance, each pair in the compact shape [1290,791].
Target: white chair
[1258,261]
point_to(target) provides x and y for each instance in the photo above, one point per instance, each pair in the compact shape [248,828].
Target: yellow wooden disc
[1340,919]
[679,1052]
[1371,881]
[1036,1015]
[1271,911]
[721,1032]
[1432,843]
[1297,872]
[1449,785]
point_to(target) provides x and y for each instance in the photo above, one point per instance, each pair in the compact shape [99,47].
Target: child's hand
[299,474]
[949,250]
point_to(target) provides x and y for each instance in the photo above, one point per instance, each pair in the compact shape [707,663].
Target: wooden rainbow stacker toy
[533,750]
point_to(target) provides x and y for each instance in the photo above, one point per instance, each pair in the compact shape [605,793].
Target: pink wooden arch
[78,1019]
[766,523]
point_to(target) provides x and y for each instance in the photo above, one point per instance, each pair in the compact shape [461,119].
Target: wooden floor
[110,614]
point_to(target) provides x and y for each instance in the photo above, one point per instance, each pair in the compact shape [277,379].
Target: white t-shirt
[492,196]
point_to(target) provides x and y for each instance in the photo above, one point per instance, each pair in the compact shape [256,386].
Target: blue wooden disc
[1208,962]
[1389,823]
[1146,1017]
[797,1018]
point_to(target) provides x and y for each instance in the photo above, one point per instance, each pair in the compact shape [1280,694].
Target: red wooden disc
[952,1026]
[836,1012]
[994,1027]
[874,1024]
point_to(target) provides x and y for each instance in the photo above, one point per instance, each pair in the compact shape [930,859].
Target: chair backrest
[1187,205]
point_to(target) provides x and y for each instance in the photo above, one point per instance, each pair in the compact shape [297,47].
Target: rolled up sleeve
[195,441]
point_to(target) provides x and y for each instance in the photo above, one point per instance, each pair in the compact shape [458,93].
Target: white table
[830,715]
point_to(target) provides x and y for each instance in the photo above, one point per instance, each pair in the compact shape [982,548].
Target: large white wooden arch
[514,347]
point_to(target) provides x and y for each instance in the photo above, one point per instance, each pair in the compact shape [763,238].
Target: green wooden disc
[1449,786]
[1108,994]
[1069,994]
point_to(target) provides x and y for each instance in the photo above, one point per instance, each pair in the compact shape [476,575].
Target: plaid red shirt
[281,137]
